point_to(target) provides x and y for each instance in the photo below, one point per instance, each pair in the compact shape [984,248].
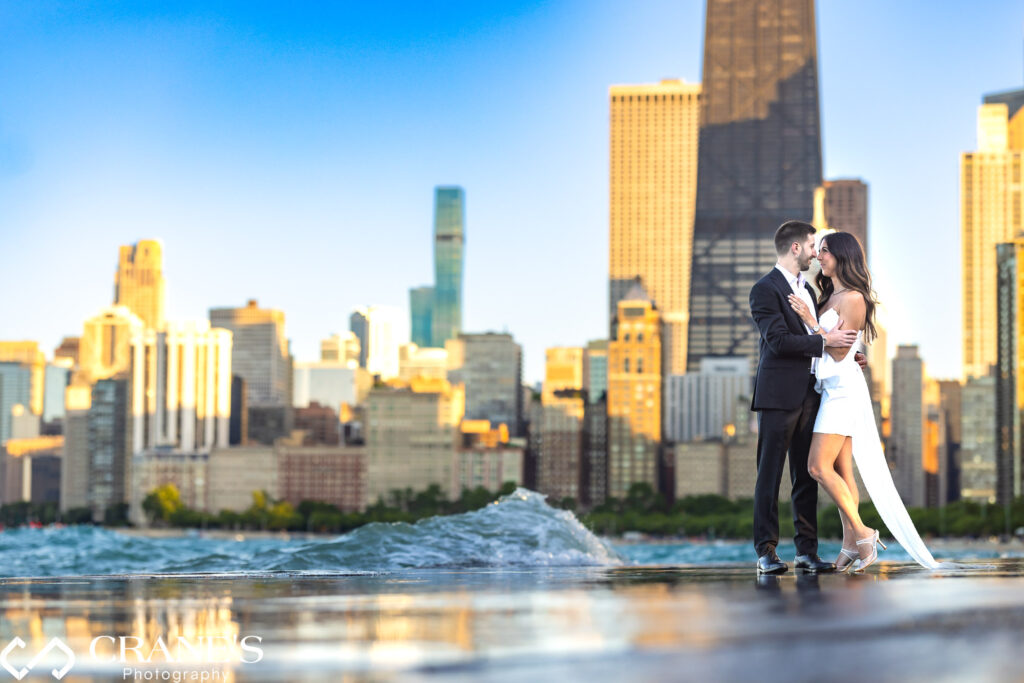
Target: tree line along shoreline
[642,511]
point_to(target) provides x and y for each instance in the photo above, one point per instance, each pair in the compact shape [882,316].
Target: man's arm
[764,307]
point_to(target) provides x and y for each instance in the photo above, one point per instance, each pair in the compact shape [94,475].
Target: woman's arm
[852,312]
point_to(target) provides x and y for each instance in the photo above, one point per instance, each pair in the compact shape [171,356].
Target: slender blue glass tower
[421,303]
[449,240]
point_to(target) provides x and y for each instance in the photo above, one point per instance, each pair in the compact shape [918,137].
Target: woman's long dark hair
[852,271]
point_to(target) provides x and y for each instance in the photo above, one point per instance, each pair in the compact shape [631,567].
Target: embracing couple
[813,402]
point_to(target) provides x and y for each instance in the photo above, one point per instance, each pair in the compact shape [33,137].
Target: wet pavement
[895,623]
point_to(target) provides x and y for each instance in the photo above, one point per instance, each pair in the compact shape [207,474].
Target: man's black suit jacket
[786,347]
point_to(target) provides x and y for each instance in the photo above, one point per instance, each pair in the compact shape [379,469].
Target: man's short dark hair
[789,232]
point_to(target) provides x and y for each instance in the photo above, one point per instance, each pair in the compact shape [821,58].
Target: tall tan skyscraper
[990,213]
[634,394]
[139,283]
[653,190]
[561,428]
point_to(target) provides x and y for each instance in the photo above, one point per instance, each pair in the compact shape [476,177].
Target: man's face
[807,253]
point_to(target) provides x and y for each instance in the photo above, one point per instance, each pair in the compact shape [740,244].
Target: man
[786,401]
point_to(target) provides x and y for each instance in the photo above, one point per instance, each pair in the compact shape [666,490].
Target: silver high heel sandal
[875,542]
[852,556]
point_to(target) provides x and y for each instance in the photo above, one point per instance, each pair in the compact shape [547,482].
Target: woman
[845,430]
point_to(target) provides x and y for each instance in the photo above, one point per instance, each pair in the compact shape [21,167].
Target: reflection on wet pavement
[636,623]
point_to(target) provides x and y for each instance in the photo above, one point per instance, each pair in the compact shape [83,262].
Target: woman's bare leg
[821,464]
[844,466]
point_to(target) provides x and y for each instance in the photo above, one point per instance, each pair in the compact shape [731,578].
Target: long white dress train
[846,409]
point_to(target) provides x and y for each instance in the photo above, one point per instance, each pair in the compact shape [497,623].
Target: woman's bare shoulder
[852,299]
[853,309]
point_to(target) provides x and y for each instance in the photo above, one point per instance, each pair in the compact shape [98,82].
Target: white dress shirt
[796,283]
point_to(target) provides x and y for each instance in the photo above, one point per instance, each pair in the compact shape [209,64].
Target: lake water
[518,531]
[516,591]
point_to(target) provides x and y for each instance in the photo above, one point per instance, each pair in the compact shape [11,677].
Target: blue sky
[289,153]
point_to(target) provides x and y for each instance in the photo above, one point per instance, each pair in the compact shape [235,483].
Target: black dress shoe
[769,563]
[813,563]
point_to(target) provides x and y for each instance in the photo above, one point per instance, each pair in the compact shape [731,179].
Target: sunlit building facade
[634,394]
[68,349]
[31,470]
[139,282]
[341,348]
[105,348]
[653,187]
[561,443]
[180,384]
[759,160]
[381,331]
[990,214]
[417,361]
[486,458]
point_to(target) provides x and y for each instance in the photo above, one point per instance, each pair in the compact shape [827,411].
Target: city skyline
[232,135]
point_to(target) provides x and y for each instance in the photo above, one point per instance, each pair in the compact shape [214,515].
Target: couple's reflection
[808,587]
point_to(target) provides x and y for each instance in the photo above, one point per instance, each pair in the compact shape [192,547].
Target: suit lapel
[814,297]
[779,280]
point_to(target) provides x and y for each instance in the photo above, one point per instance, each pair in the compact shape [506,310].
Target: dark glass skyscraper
[449,238]
[1009,392]
[759,160]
